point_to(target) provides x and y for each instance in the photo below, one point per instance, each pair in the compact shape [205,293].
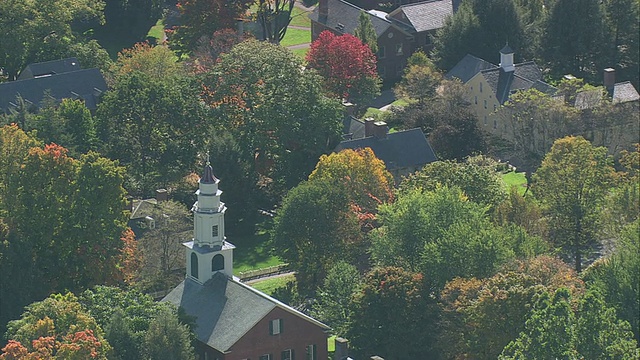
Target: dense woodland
[449,263]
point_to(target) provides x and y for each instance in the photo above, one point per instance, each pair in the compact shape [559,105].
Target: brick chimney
[342,349]
[323,10]
[609,79]
[380,130]
[369,127]
[162,195]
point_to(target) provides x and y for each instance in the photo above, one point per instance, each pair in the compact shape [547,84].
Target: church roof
[343,17]
[49,68]
[468,67]
[226,309]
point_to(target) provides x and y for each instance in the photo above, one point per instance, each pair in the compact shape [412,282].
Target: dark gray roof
[81,84]
[398,150]
[352,128]
[427,15]
[625,92]
[468,67]
[343,17]
[526,75]
[225,309]
[49,68]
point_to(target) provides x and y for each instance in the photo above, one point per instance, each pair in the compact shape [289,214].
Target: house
[141,217]
[491,85]
[403,152]
[233,320]
[399,33]
[60,79]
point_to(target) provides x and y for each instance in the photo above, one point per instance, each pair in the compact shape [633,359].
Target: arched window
[217,263]
[194,265]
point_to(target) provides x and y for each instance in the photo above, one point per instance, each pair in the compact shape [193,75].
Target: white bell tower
[208,253]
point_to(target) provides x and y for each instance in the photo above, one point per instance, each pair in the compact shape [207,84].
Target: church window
[287,354]
[485,104]
[480,87]
[399,51]
[217,263]
[311,352]
[214,230]
[381,52]
[476,100]
[194,265]
[275,327]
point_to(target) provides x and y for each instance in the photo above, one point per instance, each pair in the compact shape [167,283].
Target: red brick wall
[296,334]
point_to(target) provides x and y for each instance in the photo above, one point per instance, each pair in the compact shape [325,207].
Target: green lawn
[253,252]
[157,31]
[331,344]
[268,286]
[300,17]
[296,37]
[516,179]
[373,113]
[302,53]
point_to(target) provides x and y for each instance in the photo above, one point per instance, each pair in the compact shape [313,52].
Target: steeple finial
[207,176]
[208,162]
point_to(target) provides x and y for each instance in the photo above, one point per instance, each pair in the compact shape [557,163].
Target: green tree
[523,211]
[419,82]
[66,330]
[622,21]
[158,62]
[40,30]
[393,316]
[313,228]
[333,305]
[153,126]
[574,39]
[571,184]
[618,277]
[167,338]
[457,37]
[251,91]
[548,333]
[366,32]
[476,176]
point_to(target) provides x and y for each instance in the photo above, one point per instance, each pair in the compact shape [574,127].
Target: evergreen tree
[366,32]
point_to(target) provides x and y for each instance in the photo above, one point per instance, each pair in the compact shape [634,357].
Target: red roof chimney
[609,78]
[369,127]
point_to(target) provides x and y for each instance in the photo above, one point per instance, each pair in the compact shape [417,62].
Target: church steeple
[208,253]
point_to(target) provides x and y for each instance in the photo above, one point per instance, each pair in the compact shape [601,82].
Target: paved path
[300,5]
[268,277]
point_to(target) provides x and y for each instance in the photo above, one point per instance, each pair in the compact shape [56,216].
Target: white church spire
[208,253]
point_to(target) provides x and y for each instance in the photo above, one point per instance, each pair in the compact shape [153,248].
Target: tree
[162,244]
[251,91]
[51,204]
[153,126]
[126,316]
[477,177]
[313,228]
[209,48]
[571,184]
[392,316]
[580,49]
[131,19]
[548,333]
[274,17]
[366,32]
[457,37]
[200,18]
[617,277]
[333,305]
[347,65]
[57,328]
[158,62]
[523,211]
[39,30]
[621,18]
[482,316]
[168,339]
[419,82]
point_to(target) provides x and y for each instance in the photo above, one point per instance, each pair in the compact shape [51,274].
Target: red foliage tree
[347,65]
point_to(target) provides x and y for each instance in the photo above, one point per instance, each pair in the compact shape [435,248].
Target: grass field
[516,179]
[268,286]
[157,31]
[300,17]
[253,251]
[296,37]
[302,53]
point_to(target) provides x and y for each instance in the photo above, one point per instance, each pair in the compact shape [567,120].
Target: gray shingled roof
[225,309]
[398,150]
[427,15]
[84,84]
[625,92]
[49,67]
[468,67]
[352,128]
[526,75]
[343,17]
